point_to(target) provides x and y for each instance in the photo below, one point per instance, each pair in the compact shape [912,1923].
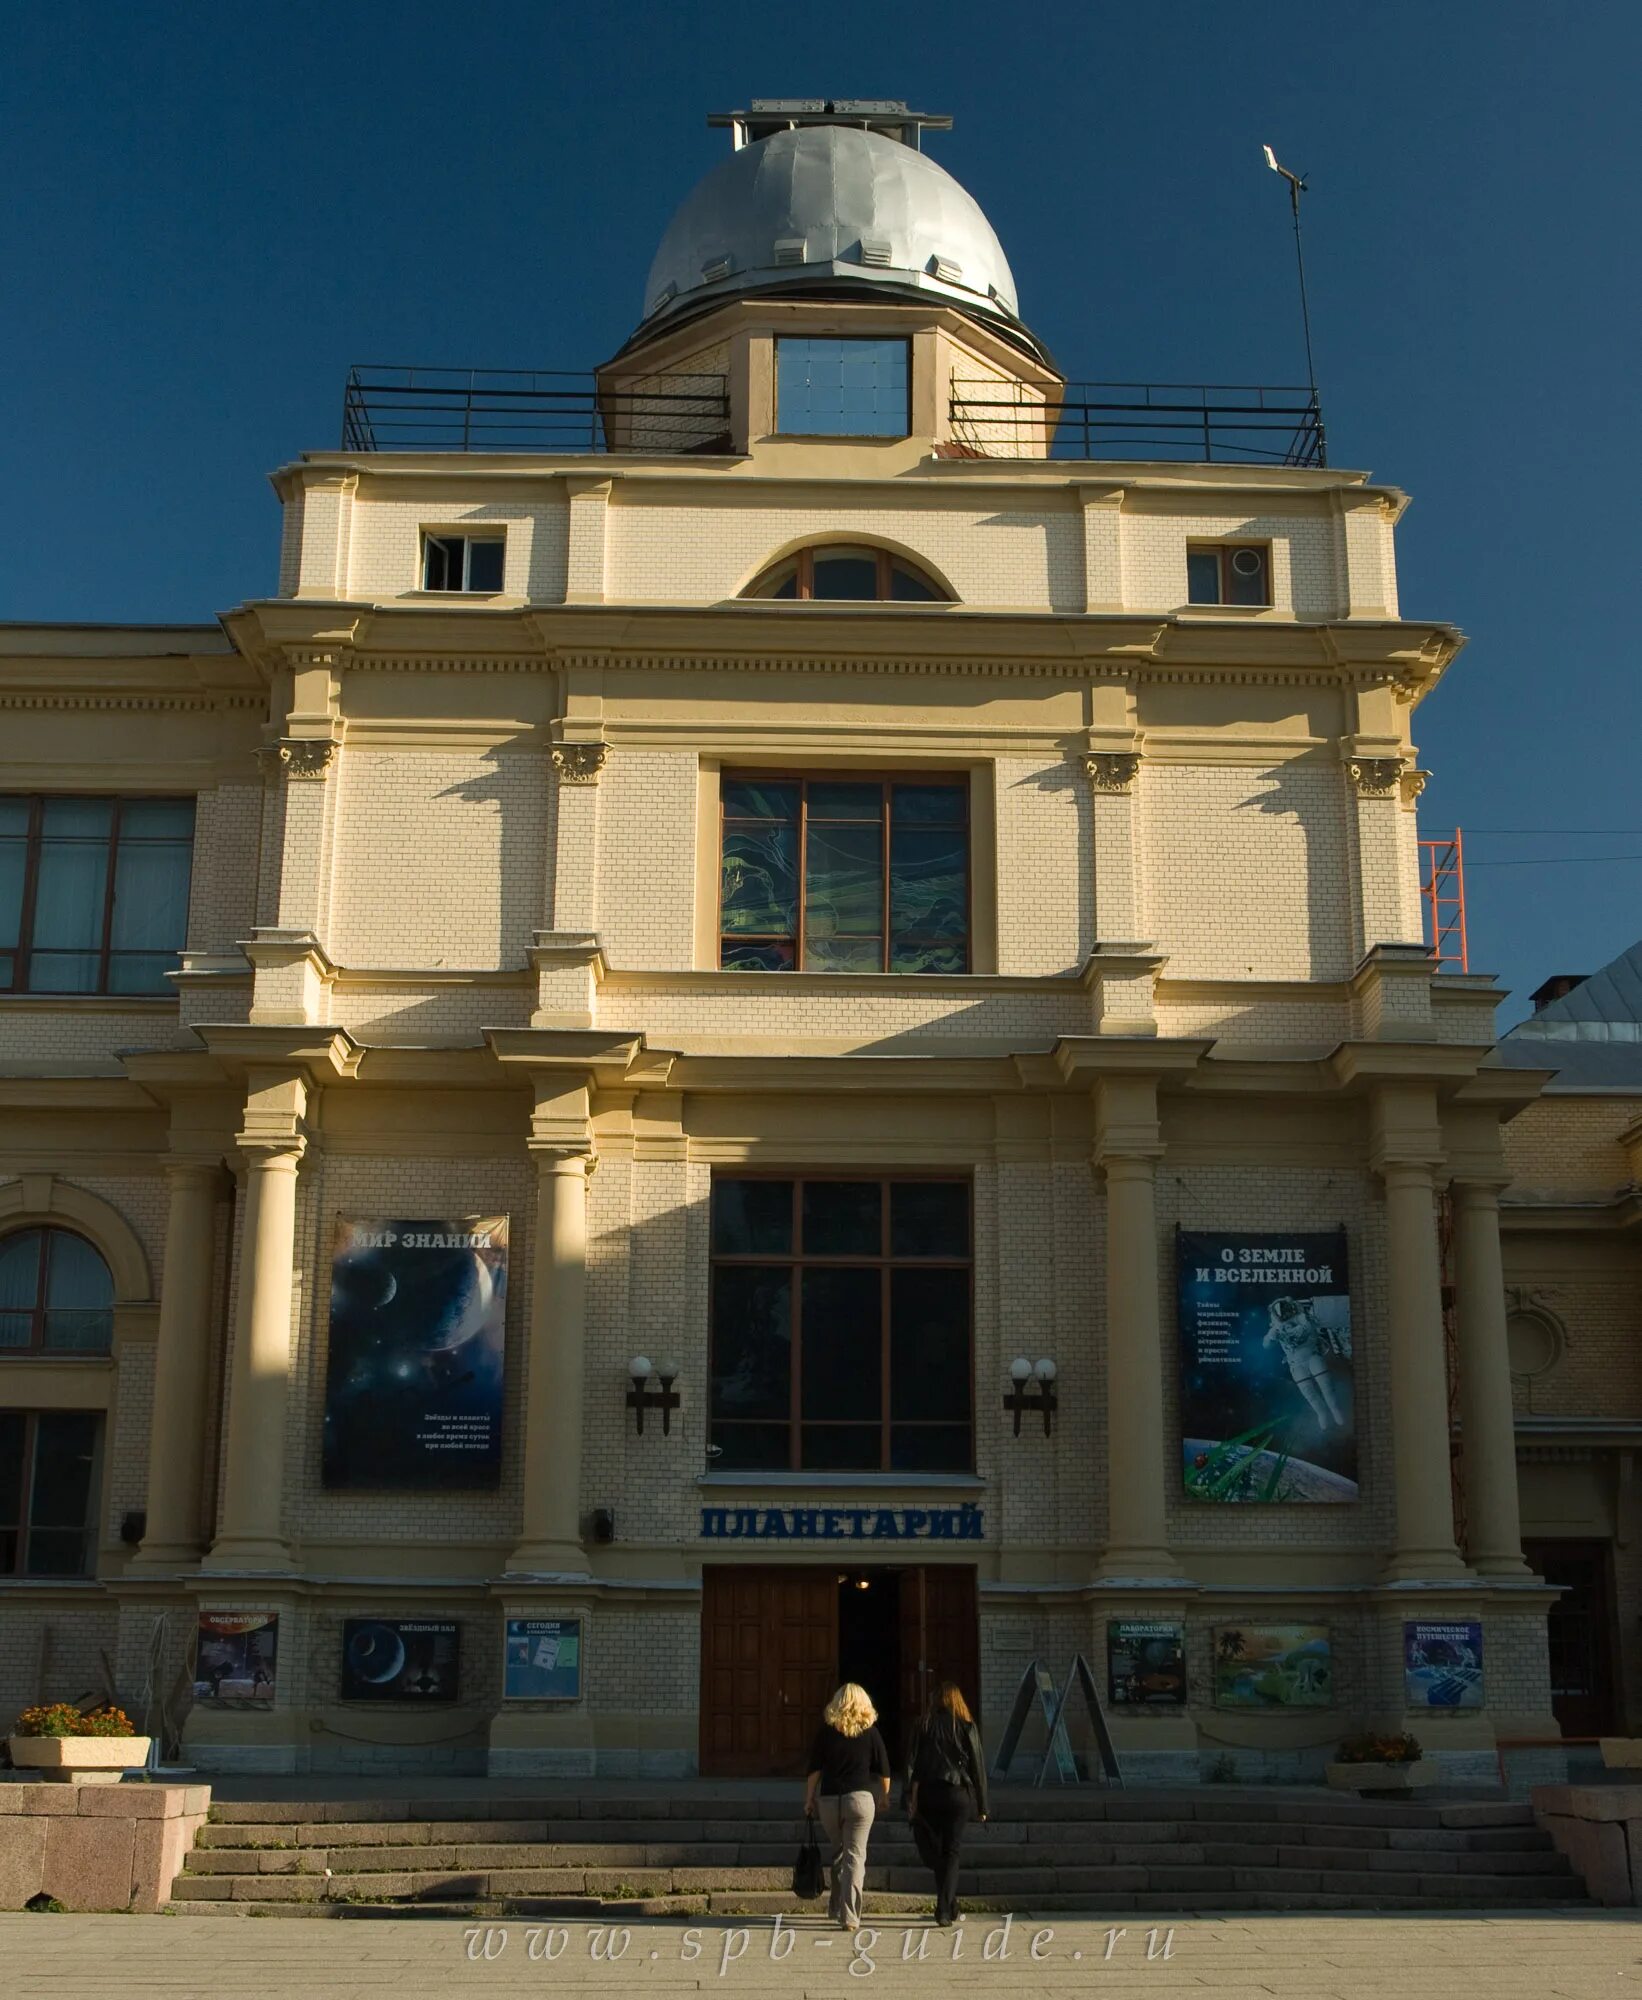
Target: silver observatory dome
[819,199]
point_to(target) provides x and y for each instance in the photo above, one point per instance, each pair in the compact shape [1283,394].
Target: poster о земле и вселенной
[237,1655]
[413,1382]
[1266,1408]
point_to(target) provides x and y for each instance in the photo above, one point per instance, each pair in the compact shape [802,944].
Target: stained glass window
[841,1325]
[845,874]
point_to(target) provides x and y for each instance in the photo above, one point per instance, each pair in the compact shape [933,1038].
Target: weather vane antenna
[1297,187]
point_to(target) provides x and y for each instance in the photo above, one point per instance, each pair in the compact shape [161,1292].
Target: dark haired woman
[946,1784]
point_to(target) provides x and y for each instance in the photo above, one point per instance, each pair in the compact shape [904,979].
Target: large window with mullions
[844,873]
[841,1310]
[93,893]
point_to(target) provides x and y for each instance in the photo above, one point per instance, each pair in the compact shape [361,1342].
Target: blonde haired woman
[848,1764]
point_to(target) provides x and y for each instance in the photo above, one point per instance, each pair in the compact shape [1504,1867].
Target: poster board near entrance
[1442,1664]
[237,1657]
[542,1660]
[399,1659]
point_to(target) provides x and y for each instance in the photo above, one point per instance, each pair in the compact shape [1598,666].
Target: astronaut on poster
[413,1381]
[1267,1408]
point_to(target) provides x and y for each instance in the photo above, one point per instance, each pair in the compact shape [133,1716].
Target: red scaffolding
[1442,892]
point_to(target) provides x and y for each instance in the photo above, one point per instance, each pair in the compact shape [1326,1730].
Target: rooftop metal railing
[1202,422]
[494,409]
[500,410]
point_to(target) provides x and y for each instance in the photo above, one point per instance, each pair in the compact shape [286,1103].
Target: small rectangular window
[93,893]
[1228,573]
[47,1465]
[842,388]
[462,562]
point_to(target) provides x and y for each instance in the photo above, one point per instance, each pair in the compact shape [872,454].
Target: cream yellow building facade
[455,937]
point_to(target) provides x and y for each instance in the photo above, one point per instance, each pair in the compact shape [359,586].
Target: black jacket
[945,1751]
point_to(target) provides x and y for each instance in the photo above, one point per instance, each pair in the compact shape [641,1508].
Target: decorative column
[1406,1153]
[1128,1145]
[1487,1424]
[251,1535]
[176,1442]
[551,1541]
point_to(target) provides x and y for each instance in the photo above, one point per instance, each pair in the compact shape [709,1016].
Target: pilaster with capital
[1406,1151]
[175,1530]
[1488,1444]
[1111,762]
[251,1531]
[560,1142]
[1128,1145]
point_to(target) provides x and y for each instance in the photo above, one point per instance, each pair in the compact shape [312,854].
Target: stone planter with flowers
[56,1743]
[1381,1764]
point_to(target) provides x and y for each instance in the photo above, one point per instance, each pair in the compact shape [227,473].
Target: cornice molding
[74,698]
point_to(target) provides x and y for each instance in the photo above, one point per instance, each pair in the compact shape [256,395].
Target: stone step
[591,1835]
[879,1907]
[663,1843]
[1034,1808]
[1013,1858]
[1018,1886]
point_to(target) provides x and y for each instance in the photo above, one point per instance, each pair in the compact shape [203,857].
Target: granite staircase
[558,1855]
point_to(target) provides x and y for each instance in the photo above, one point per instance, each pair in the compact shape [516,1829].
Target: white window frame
[467,538]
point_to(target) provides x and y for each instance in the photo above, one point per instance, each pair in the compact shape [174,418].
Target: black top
[945,1751]
[847,1763]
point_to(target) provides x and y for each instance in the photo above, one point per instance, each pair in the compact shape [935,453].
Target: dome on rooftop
[830,210]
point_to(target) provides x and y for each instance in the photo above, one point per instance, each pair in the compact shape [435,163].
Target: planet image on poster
[1262,1475]
[376,1654]
[413,1393]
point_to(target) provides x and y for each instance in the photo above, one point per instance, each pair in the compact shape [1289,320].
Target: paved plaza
[1575,1956]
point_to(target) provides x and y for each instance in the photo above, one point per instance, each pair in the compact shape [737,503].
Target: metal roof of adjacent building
[1591,1036]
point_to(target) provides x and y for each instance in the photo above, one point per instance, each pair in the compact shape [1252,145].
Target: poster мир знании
[413,1380]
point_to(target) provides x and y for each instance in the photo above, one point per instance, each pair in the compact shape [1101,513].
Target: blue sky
[210,211]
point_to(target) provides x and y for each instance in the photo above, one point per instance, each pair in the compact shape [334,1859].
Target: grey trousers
[848,1819]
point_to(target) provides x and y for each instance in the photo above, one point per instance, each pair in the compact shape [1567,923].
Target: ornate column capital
[1111,770]
[579,763]
[1375,777]
[298,756]
[555,1156]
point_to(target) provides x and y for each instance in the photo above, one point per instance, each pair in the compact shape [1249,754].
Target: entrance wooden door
[940,1635]
[1580,1632]
[769,1646]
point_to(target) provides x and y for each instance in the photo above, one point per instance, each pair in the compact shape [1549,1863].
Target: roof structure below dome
[828,203]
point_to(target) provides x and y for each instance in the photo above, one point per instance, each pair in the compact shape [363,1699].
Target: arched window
[56,1294]
[851,574]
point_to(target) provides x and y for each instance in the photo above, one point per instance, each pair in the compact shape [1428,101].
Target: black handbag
[808,1879]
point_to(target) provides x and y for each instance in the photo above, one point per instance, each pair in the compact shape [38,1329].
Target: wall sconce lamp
[1024,1374]
[642,1397]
